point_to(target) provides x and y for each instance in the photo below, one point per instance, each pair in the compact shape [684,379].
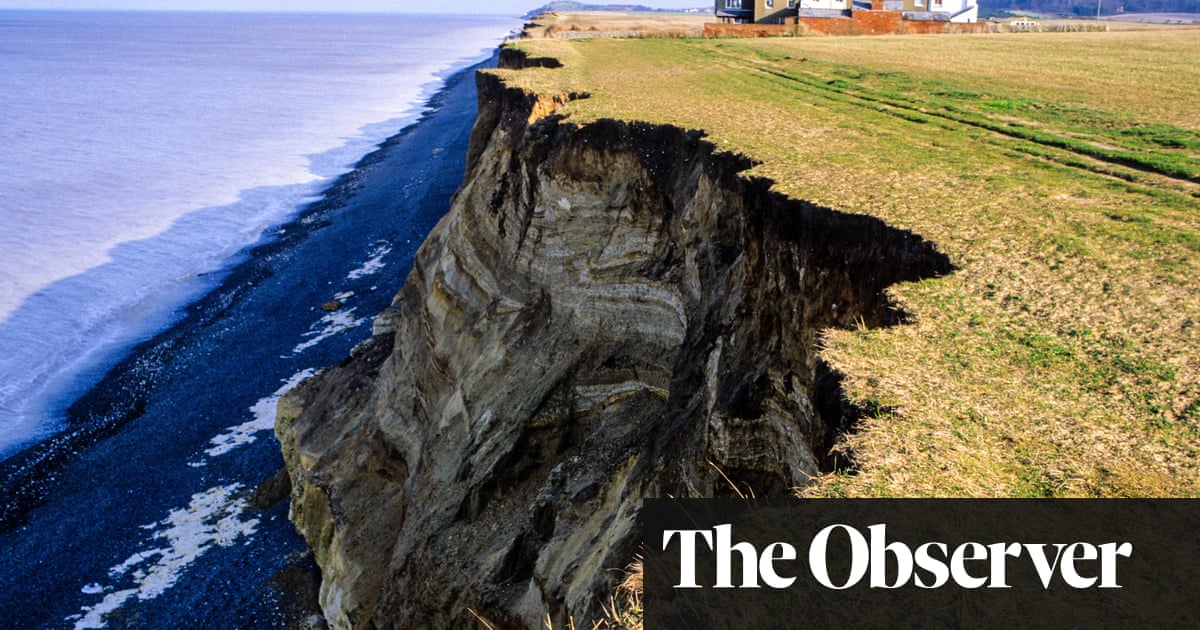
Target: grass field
[609,23]
[1060,173]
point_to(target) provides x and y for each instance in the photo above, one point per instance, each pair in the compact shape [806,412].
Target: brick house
[790,11]
[961,11]
[755,11]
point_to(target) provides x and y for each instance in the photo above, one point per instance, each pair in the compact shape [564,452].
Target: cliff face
[604,311]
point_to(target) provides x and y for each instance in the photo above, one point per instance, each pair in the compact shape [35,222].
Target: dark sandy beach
[146,505]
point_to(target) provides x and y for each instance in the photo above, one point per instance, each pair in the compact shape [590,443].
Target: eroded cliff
[608,312]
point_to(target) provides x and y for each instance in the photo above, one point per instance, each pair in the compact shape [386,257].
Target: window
[770,4]
[791,4]
[733,4]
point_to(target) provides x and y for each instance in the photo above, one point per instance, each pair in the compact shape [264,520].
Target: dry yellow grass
[1058,171]
[1149,75]
[1114,25]
[585,24]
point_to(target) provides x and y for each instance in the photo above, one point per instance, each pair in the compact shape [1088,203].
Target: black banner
[921,563]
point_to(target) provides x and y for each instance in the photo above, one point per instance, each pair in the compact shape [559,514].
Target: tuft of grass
[624,608]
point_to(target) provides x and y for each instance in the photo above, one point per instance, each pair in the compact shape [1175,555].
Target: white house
[1023,23]
[825,5]
[958,10]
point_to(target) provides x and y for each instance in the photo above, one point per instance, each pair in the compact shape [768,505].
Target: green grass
[1061,174]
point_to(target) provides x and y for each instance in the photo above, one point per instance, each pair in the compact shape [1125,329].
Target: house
[791,11]
[1023,23]
[960,11]
[824,5]
[953,10]
[755,11]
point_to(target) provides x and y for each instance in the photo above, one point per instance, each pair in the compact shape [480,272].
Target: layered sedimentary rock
[608,312]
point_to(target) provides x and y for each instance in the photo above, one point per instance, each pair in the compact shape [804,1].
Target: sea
[197,212]
[140,152]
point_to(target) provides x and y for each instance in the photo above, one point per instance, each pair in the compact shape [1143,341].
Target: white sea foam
[213,518]
[373,265]
[142,150]
[328,326]
[263,413]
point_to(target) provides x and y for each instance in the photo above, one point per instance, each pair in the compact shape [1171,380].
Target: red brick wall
[746,30]
[876,22]
[860,23]
[932,28]
[883,23]
[828,26]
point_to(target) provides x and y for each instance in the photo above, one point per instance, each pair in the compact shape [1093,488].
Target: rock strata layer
[607,312]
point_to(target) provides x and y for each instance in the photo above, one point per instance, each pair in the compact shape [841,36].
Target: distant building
[1023,22]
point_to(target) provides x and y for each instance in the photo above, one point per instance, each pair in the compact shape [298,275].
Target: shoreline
[145,417]
[145,230]
[83,428]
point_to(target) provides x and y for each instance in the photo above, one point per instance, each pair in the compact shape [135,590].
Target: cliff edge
[607,312]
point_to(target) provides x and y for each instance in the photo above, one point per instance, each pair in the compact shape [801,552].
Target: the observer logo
[729,564]
[889,564]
